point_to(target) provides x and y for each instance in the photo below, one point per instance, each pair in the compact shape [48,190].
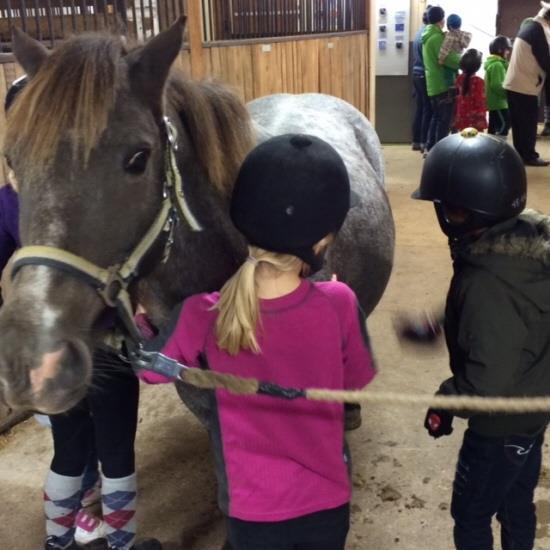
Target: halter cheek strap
[112,283]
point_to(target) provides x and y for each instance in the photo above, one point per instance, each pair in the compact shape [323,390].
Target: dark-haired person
[471,107]
[529,65]
[496,66]
[497,328]
[439,89]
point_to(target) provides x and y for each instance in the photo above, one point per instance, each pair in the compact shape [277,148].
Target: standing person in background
[441,98]
[471,107]
[456,40]
[495,73]
[546,130]
[423,114]
[529,64]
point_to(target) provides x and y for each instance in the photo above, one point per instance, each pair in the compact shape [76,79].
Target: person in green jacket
[441,97]
[495,72]
[497,327]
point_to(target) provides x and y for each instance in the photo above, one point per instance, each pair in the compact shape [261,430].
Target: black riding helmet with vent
[478,173]
[292,191]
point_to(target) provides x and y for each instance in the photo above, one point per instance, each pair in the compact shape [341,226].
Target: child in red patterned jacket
[471,106]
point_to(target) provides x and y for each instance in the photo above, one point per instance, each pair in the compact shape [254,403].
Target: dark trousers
[423,114]
[499,122]
[524,111]
[325,530]
[106,418]
[442,113]
[496,476]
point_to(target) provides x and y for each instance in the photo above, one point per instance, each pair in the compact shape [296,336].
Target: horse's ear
[149,66]
[30,53]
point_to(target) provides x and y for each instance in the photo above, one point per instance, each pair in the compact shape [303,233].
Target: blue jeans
[423,114]
[496,476]
[442,113]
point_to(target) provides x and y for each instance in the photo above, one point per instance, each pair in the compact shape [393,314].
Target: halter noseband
[112,282]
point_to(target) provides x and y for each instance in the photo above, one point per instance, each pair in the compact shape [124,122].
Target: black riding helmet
[479,173]
[499,45]
[470,62]
[291,191]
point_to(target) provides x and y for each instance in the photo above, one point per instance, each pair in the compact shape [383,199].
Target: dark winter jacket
[497,322]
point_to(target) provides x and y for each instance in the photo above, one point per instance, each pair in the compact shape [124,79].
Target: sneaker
[88,528]
[52,543]
[416,146]
[536,162]
[546,130]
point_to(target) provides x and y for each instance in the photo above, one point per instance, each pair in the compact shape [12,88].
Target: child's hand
[438,423]
[421,329]
[150,377]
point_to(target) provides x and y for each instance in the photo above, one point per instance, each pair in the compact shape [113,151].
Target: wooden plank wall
[336,65]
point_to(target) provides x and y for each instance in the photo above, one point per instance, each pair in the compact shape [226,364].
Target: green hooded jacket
[495,72]
[497,322]
[432,38]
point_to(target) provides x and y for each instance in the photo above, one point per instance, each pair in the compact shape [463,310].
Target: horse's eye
[137,162]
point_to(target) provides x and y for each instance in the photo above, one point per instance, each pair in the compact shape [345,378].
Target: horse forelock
[69,98]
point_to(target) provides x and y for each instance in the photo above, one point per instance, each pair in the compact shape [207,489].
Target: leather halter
[112,282]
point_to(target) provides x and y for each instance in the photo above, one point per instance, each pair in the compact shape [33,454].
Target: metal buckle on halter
[113,286]
[171,133]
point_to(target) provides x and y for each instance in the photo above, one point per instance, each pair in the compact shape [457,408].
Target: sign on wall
[392,37]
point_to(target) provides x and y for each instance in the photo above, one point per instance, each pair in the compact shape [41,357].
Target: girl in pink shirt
[282,466]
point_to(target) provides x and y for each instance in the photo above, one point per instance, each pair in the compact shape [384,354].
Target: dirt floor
[402,478]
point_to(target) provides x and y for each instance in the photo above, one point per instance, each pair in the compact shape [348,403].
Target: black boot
[52,544]
[352,416]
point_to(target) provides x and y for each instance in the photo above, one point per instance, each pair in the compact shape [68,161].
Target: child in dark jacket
[495,73]
[497,327]
[470,102]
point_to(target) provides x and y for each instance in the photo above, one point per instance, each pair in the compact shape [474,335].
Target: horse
[91,139]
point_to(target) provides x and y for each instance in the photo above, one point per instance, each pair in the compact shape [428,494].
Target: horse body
[99,205]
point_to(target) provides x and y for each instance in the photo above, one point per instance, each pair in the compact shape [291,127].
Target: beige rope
[248,386]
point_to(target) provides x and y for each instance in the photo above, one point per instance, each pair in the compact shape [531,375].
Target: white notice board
[392,28]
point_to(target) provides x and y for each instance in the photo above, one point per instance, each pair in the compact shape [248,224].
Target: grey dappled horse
[87,142]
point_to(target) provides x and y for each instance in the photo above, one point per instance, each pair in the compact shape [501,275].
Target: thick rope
[207,379]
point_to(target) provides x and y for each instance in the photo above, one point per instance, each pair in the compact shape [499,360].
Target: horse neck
[199,261]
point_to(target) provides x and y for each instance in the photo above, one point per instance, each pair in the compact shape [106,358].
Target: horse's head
[87,144]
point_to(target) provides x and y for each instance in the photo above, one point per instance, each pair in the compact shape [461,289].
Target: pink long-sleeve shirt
[279,459]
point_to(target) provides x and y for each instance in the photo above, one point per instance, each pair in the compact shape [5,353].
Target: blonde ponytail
[239,305]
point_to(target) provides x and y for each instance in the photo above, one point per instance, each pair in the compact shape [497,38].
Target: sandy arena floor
[402,478]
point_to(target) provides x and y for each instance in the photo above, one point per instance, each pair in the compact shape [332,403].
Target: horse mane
[71,97]
[218,124]
[73,94]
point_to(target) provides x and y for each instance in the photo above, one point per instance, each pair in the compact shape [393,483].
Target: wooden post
[371,85]
[194,25]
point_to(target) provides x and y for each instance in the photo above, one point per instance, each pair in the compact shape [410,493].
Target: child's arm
[359,368]
[446,47]
[495,77]
[491,337]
